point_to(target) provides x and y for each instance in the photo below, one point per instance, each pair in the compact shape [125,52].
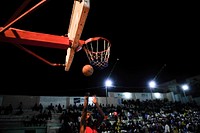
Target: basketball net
[97,50]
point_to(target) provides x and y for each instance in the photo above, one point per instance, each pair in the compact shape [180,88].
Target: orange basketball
[87,70]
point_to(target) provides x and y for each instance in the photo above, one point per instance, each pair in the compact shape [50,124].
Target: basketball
[87,70]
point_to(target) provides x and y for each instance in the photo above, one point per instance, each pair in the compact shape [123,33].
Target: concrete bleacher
[54,124]
[15,123]
[11,120]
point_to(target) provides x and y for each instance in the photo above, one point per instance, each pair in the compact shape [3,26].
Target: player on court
[87,124]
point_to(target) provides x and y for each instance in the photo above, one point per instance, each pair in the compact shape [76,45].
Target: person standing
[87,124]
[167,128]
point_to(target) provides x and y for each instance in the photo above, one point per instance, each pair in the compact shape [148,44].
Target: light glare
[108,83]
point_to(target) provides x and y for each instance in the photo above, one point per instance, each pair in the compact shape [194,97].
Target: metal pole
[151,93]
[185,96]
[151,89]
[106,95]
[11,23]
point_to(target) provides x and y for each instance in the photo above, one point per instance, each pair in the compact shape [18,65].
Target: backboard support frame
[72,42]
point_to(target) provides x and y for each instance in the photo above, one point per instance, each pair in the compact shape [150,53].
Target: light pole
[108,83]
[106,95]
[152,85]
[185,87]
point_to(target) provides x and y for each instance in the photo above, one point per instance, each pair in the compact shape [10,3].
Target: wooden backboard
[78,17]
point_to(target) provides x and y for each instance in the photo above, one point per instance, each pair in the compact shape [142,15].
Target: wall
[28,101]
[115,99]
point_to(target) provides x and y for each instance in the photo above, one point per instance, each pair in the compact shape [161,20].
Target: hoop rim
[96,38]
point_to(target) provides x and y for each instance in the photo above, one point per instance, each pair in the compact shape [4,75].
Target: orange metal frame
[71,43]
[18,36]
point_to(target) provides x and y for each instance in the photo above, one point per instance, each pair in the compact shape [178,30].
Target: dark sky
[150,40]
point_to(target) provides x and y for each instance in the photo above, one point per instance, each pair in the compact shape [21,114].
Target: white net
[98,51]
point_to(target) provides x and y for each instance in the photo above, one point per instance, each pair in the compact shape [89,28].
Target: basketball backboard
[78,17]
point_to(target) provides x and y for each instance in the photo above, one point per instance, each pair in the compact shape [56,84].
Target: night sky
[148,40]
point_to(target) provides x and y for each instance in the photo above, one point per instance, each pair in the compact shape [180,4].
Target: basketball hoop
[97,50]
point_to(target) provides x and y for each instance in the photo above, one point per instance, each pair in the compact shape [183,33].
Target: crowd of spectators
[132,116]
[135,116]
